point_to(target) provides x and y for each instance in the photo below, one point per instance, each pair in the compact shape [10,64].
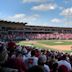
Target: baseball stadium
[35,35]
[58,38]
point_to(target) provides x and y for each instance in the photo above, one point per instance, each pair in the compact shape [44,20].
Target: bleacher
[15,58]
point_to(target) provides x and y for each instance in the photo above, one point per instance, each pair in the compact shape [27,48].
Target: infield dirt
[57,47]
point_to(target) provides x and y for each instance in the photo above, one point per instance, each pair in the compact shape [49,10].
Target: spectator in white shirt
[64,62]
[41,62]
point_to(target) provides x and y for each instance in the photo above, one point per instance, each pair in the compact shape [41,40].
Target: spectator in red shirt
[11,45]
[16,62]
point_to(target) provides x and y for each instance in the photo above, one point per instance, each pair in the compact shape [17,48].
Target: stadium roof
[9,22]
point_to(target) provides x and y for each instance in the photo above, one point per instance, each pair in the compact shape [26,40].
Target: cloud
[67,12]
[22,18]
[30,1]
[62,21]
[31,20]
[44,7]
[56,20]
[38,24]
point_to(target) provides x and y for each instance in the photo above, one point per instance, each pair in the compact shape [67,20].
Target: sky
[57,13]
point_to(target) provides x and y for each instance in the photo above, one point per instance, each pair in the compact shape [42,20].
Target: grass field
[55,42]
[61,45]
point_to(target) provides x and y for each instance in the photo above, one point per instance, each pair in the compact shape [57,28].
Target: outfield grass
[47,42]
[68,51]
[22,43]
[55,42]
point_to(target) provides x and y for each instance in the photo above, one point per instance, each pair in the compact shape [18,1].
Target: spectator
[3,59]
[55,67]
[35,69]
[64,63]
[11,46]
[33,60]
[41,62]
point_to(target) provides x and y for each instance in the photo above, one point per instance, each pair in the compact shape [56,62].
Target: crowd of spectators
[13,36]
[16,58]
[33,36]
[50,36]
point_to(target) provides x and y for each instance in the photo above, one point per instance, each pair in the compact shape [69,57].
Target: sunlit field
[61,45]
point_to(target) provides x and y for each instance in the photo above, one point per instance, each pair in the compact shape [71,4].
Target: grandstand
[22,31]
[24,58]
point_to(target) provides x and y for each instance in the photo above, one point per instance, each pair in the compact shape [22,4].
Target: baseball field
[60,45]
